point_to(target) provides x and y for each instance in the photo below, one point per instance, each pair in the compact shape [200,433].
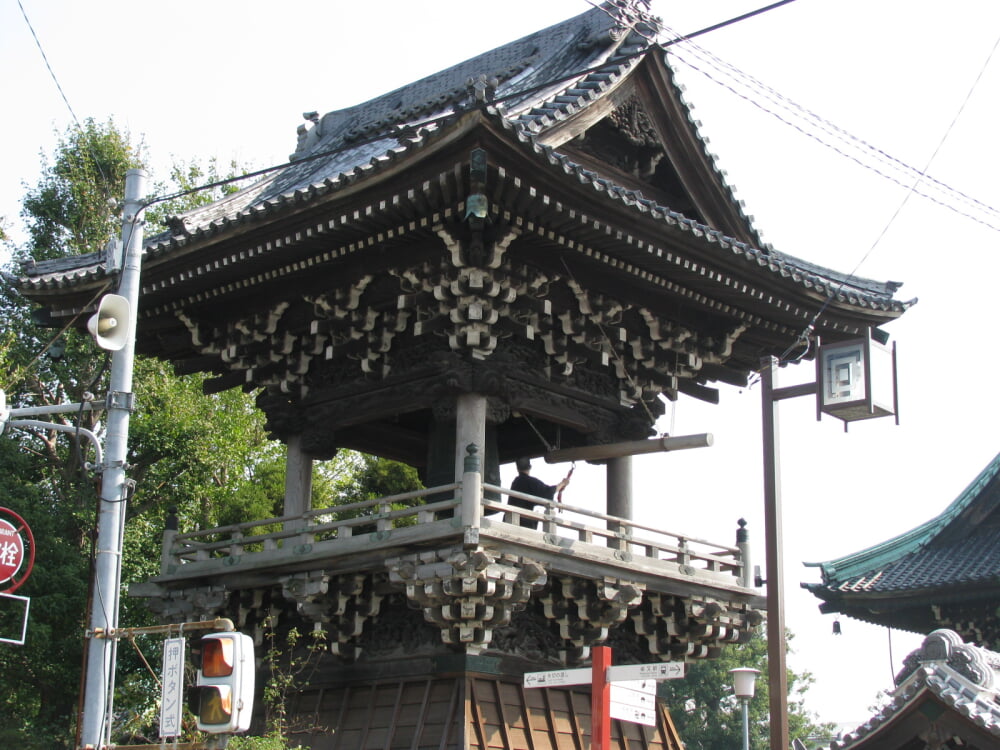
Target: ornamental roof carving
[946,696]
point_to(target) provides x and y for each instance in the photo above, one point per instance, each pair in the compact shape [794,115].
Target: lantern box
[856,380]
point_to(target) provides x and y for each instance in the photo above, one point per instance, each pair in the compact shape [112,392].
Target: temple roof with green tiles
[943,573]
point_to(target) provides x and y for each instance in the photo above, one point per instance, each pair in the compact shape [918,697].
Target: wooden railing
[325,524]
[461,506]
[557,519]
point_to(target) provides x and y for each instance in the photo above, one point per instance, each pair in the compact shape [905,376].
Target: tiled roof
[949,550]
[962,677]
[539,80]
[973,560]
[348,144]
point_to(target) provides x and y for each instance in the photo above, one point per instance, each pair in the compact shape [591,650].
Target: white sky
[227,78]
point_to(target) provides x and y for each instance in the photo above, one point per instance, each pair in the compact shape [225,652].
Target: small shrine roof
[947,690]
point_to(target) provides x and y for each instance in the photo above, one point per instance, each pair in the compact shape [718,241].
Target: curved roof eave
[847,291]
[878,556]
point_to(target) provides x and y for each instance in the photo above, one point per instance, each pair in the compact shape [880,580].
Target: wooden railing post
[169,536]
[472,494]
[743,544]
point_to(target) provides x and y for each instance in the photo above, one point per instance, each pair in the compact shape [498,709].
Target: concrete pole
[99,678]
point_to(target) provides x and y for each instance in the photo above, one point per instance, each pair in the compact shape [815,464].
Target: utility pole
[99,679]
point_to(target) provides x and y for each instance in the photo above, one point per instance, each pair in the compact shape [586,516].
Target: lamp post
[744,679]
[855,380]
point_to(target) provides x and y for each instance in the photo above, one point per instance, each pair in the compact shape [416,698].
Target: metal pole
[746,722]
[99,679]
[777,677]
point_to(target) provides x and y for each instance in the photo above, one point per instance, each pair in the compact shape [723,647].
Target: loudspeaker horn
[109,325]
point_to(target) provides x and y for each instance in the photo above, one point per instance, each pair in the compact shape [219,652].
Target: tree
[207,456]
[708,716]
[44,478]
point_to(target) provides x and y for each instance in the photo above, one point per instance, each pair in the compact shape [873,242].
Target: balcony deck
[568,540]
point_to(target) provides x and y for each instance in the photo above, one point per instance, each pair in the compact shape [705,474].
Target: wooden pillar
[776,673]
[298,480]
[470,427]
[619,487]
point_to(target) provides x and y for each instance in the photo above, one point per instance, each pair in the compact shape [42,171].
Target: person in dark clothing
[529,485]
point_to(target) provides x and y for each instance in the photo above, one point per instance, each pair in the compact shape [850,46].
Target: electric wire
[650,20]
[757,86]
[805,335]
[62,93]
[45,58]
[822,130]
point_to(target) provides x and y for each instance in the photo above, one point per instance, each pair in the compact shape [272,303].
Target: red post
[600,699]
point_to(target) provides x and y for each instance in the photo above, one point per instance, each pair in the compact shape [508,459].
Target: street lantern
[856,379]
[744,679]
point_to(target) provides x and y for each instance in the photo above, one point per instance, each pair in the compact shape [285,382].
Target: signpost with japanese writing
[626,693]
[172,694]
[634,700]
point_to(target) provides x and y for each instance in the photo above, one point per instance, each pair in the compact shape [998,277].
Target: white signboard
[634,700]
[172,695]
[13,619]
[665,670]
[558,677]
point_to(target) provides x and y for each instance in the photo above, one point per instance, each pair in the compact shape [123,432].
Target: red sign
[11,550]
[17,552]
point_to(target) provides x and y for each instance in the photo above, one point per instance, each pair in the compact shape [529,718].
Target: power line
[52,73]
[47,65]
[822,130]
[807,331]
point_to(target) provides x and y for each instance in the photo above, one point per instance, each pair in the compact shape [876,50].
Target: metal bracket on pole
[121,400]
[218,624]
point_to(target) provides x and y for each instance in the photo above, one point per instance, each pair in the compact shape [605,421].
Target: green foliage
[291,659]
[270,741]
[190,176]
[73,209]
[707,714]
[39,679]
[355,477]
[207,456]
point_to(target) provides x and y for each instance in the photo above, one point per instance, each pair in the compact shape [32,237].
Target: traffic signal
[225,683]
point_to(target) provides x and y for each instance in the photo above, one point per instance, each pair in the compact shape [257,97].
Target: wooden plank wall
[461,713]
